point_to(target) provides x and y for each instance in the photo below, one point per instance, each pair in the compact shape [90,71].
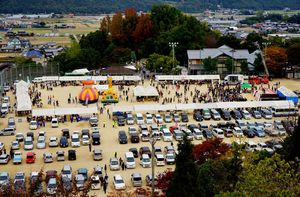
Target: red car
[172,128]
[30,157]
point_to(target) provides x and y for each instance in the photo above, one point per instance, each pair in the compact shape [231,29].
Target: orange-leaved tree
[276,59]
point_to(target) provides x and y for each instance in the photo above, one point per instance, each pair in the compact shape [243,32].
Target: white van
[166,134]
[54,123]
[139,118]
[4,108]
[145,161]
[75,140]
[11,123]
[160,159]
[129,160]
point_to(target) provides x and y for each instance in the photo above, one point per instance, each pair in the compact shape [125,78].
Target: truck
[233,79]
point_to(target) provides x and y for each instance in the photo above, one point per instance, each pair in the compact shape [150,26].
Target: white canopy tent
[220,105]
[141,91]
[186,77]
[23,98]
[64,111]
[81,78]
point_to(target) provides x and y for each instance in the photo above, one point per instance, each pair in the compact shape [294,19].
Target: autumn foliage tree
[143,29]
[276,59]
[210,149]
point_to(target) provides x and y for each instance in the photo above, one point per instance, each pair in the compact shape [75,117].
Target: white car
[75,140]
[54,123]
[66,171]
[170,158]
[119,183]
[28,143]
[158,118]
[96,184]
[145,161]
[114,164]
[41,142]
[1,146]
[15,145]
[198,134]
[237,131]
[53,142]
[160,159]
[218,133]
[85,140]
[252,146]
[149,119]
[19,137]
[263,146]
[246,115]
[33,125]
[47,157]
[167,135]
[168,118]
[129,119]
[176,117]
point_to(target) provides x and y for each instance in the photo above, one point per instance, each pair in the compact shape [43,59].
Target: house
[196,57]
[16,44]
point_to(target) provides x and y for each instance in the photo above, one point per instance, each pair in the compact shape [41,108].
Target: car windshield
[95,181]
[256,113]
[41,141]
[146,160]
[129,118]
[168,116]
[75,139]
[242,124]
[170,156]
[130,159]
[140,118]
[179,134]
[198,133]
[66,172]
[167,134]
[19,177]
[119,181]
[114,163]
[28,142]
[52,185]
[149,118]
[80,181]
[137,178]
[33,123]
[29,156]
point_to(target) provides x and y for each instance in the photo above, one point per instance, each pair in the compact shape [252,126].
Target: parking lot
[109,137]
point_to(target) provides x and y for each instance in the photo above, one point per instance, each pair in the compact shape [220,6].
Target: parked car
[135,152]
[145,161]
[53,142]
[149,119]
[60,155]
[97,154]
[266,114]
[122,137]
[4,158]
[84,172]
[218,133]
[215,114]
[20,137]
[85,139]
[184,117]
[259,132]
[273,144]
[206,114]
[241,124]
[114,164]
[66,133]
[249,133]
[149,180]
[118,182]
[159,159]
[28,143]
[33,125]
[136,179]
[54,123]
[47,157]
[168,118]
[15,145]
[145,150]
[96,183]
[237,131]
[71,155]
[280,128]
[225,114]
[263,146]
[269,129]
[35,180]
[178,135]
[66,171]
[121,120]
[75,140]
[20,182]
[41,142]
[129,119]
[4,179]
[170,158]
[17,158]
[197,116]
[7,131]
[96,139]
[63,142]
[246,115]
[134,137]
[176,117]
[93,121]
[236,114]
[166,135]
[256,114]
[158,119]
[52,186]
[251,146]
[30,157]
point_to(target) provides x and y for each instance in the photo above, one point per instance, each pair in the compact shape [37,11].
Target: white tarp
[23,98]
[132,78]
[64,111]
[186,77]
[145,91]
[81,78]
[100,87]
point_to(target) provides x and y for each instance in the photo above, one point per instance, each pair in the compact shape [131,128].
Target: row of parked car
[199,115]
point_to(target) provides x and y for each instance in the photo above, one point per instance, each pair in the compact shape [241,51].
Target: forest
[109,6]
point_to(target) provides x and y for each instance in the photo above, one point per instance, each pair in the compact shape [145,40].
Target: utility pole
[263,58]
[152,142]
[173,45]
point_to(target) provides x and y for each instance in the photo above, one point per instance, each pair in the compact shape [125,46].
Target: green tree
[230,41]
[183,182]
[210,64]
[258,65]
[161,63]
[269,177]
[244,66]
[229,64]
[293,53]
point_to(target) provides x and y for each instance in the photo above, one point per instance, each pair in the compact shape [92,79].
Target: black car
[145,150]
[121,120]
[134,152]
[66,133]
[197,116]
[249,133]
[207,134]
[273,144]
[225,114]
[184,117]
[134,138]
[63,142]
[236,114]
[96,139]
[122,137]
[231,125]
[222,125]
[71,155]
[192,127]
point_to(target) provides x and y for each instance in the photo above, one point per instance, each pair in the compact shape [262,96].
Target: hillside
[107,6]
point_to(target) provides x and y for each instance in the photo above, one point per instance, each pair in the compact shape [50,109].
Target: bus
[279,111]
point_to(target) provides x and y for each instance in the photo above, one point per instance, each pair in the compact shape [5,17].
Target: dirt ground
[109,136]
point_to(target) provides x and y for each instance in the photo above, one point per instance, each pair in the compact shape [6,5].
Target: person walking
[123,166]
[105,169]
[103,124]
[104,187]
[90,147]
[116,154]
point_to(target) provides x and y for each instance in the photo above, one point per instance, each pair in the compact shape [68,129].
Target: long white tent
[219,105]
[81,78]
[148,91]
[186,77]
[64,111]
[23,98]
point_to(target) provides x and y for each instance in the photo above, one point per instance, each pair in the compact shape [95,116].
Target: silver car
[41,143]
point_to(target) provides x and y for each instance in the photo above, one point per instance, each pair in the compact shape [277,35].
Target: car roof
[118,176]
[136,174]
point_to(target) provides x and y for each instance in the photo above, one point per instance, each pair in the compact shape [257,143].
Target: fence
[27,72]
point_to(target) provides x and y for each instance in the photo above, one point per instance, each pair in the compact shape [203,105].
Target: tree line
[109,6]
[272,17]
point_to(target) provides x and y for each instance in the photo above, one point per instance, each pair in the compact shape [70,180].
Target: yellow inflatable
[110,95]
